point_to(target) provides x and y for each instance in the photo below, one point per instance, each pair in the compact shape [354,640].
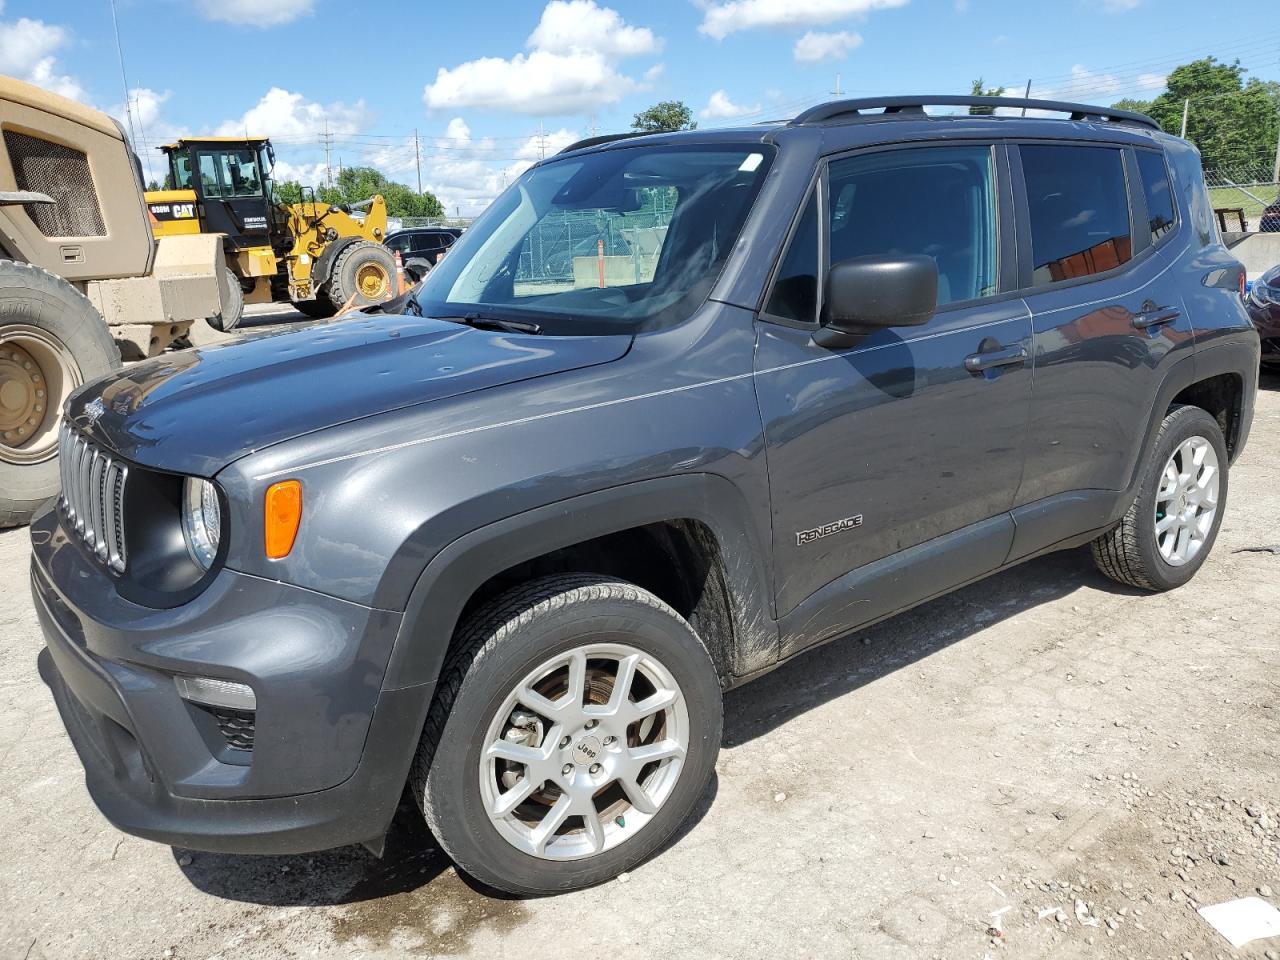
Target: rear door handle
[1156,317]
[1004,357]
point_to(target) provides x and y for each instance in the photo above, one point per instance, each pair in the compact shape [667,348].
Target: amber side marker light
[281,516]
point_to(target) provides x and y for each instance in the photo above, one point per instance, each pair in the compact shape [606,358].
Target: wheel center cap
[587,751]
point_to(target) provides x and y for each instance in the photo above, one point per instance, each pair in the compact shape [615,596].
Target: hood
[197,410]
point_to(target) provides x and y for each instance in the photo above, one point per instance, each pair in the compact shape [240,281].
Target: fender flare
[453,575]
[324,262]
[1238,357]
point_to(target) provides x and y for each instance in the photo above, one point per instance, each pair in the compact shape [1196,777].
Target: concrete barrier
[1259,252]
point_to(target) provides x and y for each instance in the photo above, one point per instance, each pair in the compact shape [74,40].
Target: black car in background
[1264,309]
[422,243]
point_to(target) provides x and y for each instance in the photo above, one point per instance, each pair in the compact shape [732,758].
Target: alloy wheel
[1187,501]
[584,751]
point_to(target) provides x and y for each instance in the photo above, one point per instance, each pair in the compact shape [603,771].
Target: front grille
[236,726]
[93,496]
[63,174]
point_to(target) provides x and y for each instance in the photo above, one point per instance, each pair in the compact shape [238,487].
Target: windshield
[613,242]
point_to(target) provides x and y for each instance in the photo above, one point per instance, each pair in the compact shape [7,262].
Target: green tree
[356,184]
[1234,122]
[664,117]
[153,185]
[1133,106]
[978,90]
[289,191]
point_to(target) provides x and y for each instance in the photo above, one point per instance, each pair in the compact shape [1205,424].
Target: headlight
[201,520]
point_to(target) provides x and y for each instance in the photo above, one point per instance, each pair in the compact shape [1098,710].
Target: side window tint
[937,201]
[795,290]
[1079,211]
[1155,184]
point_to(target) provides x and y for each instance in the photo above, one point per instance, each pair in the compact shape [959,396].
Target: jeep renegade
[675,409]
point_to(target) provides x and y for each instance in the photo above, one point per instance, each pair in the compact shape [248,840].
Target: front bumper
[331,749]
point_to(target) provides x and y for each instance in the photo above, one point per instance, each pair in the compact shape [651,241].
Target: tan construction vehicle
[312,254]
[82,279]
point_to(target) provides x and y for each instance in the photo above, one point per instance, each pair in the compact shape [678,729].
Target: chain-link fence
[404,223]
[1245,197]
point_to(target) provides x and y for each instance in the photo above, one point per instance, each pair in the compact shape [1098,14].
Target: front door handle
[1004,357]
[1155,317]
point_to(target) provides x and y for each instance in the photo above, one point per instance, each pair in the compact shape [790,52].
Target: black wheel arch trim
[452,576]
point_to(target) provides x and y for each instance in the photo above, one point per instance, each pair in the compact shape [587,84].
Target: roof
[186,141]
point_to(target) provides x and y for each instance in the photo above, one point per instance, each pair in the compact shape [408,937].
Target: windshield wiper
[481,322]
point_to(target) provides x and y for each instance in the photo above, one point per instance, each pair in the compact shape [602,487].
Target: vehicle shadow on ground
[844,665]
[412,859]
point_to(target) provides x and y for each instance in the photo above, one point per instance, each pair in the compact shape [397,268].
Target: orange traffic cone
[400,286]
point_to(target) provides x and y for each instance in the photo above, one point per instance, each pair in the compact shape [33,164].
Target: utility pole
[327,139]
[542,141]
[417,157]
[128,101]
[837,91]
[1186,109]
[1275,174]
[592,129]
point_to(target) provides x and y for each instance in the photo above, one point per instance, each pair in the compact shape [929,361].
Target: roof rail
[604,138]
[914,106]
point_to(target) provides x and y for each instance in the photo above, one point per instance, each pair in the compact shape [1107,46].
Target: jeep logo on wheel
[587,751]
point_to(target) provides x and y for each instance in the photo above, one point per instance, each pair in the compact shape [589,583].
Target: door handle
[1155,317]
[1005,357]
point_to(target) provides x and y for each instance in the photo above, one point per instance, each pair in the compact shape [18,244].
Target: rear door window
[1161,217]
[1079,210]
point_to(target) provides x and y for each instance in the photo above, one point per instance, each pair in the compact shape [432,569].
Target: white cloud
[1119,6]
[255,13]
[720,107]
[722,18]
[571,66]
[579,26]
[27,51]
[1086,85]
[814,47]
[283,114]
[466,174]
[540,83]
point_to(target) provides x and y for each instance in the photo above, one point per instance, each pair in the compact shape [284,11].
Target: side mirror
[867,293]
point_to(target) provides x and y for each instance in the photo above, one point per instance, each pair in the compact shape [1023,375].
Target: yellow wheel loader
[82,279]
[315,255]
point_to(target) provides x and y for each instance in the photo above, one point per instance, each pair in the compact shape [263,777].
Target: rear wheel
[232,298]
[575,727]
[364,273]
[1169,530]
[51,341]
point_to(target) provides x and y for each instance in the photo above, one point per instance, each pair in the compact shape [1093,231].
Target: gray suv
[676,409]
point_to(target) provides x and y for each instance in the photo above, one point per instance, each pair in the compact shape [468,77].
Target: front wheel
[231,297]
[364,273]
[574,729]
[1167,533]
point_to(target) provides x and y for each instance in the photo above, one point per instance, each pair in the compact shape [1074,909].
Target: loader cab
[233,186]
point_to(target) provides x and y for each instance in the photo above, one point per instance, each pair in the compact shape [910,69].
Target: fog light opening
[217,693]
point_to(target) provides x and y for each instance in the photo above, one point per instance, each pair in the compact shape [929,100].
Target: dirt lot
[1041,742]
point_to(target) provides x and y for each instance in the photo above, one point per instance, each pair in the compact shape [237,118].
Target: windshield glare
[612,242]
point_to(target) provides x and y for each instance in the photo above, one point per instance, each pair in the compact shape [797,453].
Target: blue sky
[491,85]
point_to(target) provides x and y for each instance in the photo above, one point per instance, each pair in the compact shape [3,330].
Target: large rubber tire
[498,646]
[319,308]
[232,297]
[352,269]
[1129,553]
[57,321]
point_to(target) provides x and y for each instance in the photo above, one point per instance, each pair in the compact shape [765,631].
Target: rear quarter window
[1162,216]
[1078,205]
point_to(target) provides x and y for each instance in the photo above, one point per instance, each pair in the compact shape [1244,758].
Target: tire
[1131,553]
[317,309]
[232,297]
[355,271]
[50,325]
[494,652]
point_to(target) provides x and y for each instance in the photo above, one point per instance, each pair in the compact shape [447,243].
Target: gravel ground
[1041,765]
